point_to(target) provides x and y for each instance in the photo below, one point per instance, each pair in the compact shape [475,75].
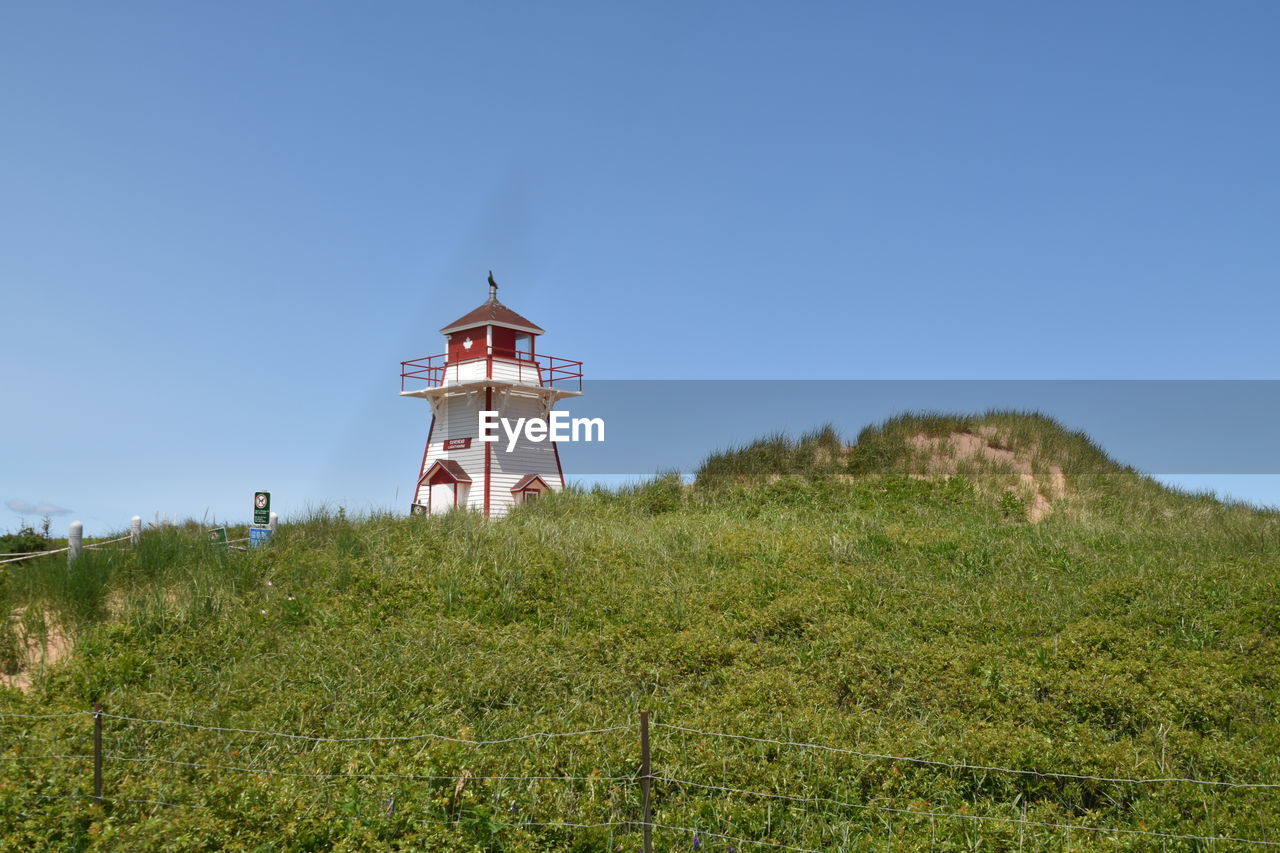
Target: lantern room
[493,329]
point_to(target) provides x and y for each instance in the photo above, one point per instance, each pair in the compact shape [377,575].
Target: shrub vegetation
[798,591]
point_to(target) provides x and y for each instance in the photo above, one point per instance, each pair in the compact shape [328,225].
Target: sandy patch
[948,455]
[35,652]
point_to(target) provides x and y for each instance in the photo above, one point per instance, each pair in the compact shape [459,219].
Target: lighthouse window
[524,346]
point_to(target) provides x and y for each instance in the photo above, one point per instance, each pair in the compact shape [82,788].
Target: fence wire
[959,815]
[374,738]
[410,776]
[877,756]
[698,833]
[112,800]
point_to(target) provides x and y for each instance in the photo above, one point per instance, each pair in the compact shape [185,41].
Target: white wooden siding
[504,370]
[527,457]
[458,417]
[516,371]
[467,371]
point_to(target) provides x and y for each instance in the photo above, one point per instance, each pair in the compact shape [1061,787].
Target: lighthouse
[491,365]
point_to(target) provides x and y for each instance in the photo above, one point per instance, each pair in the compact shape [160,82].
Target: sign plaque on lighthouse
[491,371]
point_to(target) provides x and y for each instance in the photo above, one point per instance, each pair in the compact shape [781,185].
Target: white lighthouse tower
[490,364]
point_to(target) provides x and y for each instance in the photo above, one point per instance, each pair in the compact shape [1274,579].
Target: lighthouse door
[442,497]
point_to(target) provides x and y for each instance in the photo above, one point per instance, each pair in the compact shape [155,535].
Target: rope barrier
[34,555]
[107,541]
[30,555]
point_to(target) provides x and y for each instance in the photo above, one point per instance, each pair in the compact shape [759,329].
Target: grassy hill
[893,599]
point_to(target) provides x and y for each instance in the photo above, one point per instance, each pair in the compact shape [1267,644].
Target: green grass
[1131,633]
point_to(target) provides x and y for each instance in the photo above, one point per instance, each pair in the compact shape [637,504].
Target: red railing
[429,370]
[555,369]
[552,371]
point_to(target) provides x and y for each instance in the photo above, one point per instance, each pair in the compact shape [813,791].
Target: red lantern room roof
[492,312]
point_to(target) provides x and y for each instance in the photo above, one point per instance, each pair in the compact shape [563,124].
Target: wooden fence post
[135,531]
[97,752]
[646,778]
[75,540]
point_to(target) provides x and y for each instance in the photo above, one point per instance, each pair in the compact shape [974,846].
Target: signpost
[261,507]
[262,528]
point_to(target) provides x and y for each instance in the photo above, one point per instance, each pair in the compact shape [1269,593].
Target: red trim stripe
[488,446]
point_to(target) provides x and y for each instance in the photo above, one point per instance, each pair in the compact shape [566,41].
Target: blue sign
[259,536]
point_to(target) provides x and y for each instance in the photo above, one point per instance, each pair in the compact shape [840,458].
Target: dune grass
[1132,635]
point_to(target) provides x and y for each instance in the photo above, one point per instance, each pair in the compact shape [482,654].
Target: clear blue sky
[223,225]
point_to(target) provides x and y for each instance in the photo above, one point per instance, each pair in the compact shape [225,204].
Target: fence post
[97,752]
[646,777]
[273,521]
[135,531]
[75,538]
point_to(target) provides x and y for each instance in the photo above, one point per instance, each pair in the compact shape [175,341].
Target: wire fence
[664,800]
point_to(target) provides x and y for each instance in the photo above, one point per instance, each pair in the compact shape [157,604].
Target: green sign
[261,507]
[218,535]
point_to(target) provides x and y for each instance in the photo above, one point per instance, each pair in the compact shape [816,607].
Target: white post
[75,537]
[135,531]
[273,523]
